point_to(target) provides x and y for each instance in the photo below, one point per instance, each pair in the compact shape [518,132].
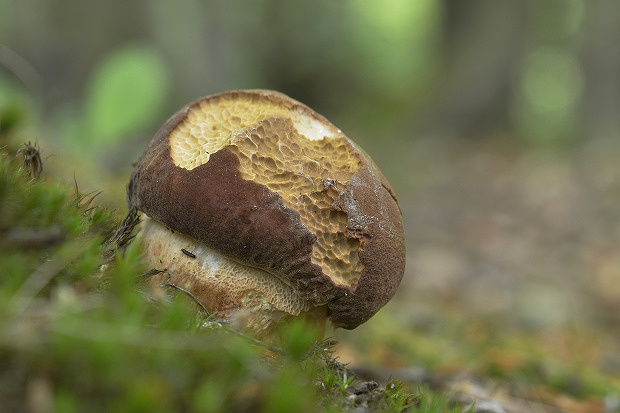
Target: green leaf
[127,93]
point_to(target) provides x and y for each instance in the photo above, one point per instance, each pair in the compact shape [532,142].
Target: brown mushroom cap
[269,184]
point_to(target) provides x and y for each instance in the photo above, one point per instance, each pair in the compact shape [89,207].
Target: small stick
[193,297]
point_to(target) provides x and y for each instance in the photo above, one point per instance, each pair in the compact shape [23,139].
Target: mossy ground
[79,333]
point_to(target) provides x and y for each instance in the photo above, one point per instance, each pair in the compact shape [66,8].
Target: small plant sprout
[32,162]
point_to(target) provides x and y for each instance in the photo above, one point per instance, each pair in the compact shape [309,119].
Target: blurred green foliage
[397,45]
[14,106]
[382,71]
[552,79]
[126,94]
[552,84]
[385,73]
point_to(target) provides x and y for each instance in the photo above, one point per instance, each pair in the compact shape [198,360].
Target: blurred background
[496,122]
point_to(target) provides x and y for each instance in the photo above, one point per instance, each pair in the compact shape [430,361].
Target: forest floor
[510,301]
[512,288]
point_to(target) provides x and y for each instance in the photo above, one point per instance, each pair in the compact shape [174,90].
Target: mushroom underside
[247,297]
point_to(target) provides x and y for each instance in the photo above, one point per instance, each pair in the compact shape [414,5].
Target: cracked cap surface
[267,182]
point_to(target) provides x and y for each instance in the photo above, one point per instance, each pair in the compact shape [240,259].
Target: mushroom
[263,211]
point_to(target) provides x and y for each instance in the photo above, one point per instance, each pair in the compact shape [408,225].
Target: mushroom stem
[248,298]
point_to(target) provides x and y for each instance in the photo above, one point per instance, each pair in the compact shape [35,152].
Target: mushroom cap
[270,184]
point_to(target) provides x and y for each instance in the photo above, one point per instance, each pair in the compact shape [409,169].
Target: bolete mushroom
[264,210]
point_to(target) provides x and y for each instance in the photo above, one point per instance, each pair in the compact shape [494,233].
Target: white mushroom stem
[249,298]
